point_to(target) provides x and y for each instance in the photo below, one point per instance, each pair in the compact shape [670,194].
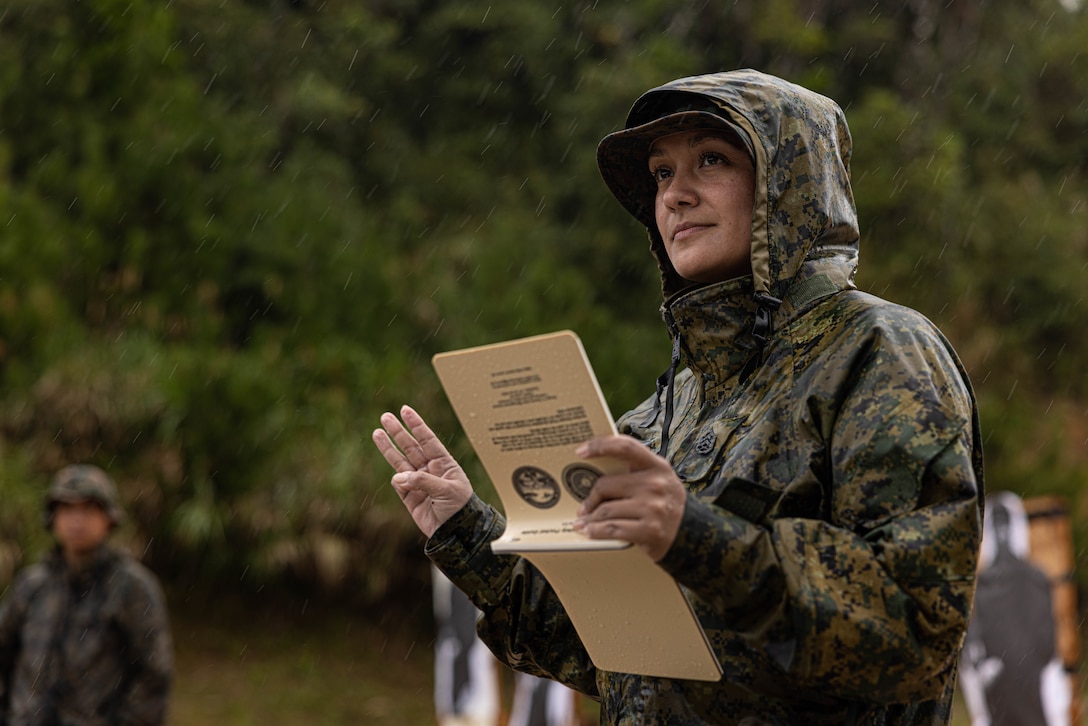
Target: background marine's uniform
[86,647]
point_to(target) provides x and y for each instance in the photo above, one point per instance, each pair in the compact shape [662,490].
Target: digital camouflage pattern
[831,531]
[84,649]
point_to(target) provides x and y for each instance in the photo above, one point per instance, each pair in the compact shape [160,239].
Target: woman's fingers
[384,439]
[646,471]
[643,506]
[406,439]
[411,445]
[430,448]
[626,448]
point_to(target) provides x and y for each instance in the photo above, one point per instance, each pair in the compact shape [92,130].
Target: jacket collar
[714,322]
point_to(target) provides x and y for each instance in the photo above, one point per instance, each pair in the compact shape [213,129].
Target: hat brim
[622,157]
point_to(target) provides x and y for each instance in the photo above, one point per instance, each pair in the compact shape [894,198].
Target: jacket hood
[801,146]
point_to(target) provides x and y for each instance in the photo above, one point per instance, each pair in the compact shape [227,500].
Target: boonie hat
[81,483]
[622,155]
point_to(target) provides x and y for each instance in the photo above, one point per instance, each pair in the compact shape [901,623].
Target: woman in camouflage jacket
[817,484]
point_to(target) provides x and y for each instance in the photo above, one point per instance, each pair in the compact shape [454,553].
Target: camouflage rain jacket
[831,530]
[86,649]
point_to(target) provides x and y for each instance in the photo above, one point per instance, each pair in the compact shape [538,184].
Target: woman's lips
[686,230]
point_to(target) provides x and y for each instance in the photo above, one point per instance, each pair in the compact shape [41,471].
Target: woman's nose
[680,191]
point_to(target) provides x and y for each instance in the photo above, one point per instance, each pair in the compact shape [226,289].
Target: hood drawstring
[665,382]
[761,330]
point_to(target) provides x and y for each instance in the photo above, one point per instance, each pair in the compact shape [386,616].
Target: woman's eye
[711,157]
[660,173]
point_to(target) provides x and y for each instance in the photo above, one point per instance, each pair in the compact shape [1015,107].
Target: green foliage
[21,515]
[235,234]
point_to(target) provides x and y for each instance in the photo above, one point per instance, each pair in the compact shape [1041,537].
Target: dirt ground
[283,666]
[240,667]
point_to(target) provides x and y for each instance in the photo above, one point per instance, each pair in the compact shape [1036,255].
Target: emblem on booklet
[579,479]
[536,486]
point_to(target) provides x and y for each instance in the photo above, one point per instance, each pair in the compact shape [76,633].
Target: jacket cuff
[461,549]
[706,544]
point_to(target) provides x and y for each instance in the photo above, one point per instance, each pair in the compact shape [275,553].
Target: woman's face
[705,194]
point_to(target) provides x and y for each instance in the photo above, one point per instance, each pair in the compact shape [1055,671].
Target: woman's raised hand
[429,481]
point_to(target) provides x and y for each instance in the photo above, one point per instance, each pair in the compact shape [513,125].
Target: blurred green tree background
[234,233]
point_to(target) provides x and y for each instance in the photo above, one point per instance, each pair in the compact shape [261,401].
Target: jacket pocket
[703,448]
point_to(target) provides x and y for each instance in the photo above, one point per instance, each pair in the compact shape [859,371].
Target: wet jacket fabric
[84,649]
[830,535]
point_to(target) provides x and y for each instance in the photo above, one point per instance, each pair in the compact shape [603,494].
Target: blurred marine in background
[84,634]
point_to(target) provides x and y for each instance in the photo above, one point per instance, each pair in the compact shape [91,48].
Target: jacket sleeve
[146,626]
[870,601]
[524,623]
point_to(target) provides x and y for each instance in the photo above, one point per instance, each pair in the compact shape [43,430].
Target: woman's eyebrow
[694,141]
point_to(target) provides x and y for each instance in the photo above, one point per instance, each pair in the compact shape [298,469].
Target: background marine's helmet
[83,482]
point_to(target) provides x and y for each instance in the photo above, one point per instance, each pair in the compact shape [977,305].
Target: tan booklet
[525,406]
